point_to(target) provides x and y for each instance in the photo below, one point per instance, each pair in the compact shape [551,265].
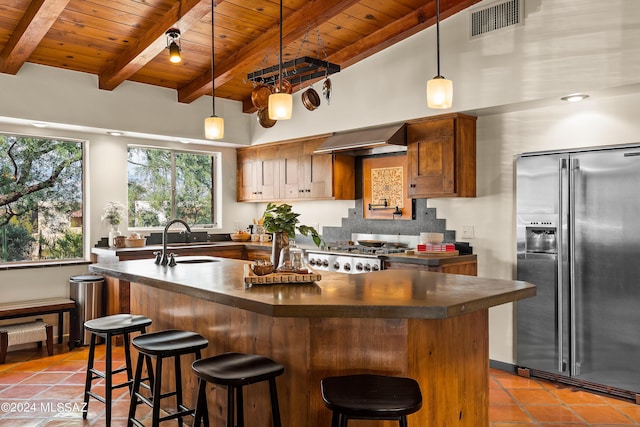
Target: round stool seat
[169,342]
[370,396]
[236,369]
[117,324]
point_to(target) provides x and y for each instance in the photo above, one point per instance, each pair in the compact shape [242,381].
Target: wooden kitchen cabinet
[441,153]
[257,174]
[291,171]
[466,265]
[305,175]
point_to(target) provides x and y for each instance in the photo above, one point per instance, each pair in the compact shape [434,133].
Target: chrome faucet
[162,258]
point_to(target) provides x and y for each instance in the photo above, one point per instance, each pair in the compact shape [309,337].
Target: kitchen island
[429,326]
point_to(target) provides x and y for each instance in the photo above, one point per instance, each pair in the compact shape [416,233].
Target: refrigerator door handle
[573,176]
[559,294]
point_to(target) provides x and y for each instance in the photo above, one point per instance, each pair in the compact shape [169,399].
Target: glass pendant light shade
[280,106]
[174,53]
[439,93]
[214,127]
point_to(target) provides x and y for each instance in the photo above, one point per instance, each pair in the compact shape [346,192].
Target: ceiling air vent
[495,17]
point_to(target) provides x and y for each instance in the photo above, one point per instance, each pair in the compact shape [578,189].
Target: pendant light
[280,103]
[439,89]
[173,44]
[214,125]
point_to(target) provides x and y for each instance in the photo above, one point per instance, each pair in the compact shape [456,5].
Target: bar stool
[370,397]
[235,370]
[108,327]
[160,345]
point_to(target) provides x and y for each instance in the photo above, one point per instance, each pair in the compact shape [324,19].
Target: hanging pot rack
[296,71]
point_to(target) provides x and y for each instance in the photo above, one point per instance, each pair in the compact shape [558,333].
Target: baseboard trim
[502,366]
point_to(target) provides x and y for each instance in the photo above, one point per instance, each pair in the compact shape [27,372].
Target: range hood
[376,140]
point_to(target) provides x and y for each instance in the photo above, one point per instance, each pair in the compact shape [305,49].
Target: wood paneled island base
[449,357]
[429,326]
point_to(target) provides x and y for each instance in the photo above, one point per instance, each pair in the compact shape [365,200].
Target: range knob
[325,262]
[359,266]
[336,265]
[367,267]
[347,267]
[375,268]
[312,261]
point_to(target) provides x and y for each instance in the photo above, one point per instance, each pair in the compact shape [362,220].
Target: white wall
[69,98]
[511,79]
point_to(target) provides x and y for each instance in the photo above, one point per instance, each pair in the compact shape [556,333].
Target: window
[41,199]
[166,184]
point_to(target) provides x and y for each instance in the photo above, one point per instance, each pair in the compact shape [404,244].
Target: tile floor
[37,390]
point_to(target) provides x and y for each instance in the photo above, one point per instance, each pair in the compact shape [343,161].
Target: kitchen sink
[195,259]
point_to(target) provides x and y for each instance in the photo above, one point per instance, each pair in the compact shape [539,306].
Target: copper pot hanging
[260,96]
[310,99]
[264,120]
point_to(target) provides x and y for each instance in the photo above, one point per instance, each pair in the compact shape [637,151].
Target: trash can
[87,291]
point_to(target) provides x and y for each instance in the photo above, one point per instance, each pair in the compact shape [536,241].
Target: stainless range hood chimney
[367,141]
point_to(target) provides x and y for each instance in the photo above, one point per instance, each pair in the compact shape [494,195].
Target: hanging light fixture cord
[213,75]
[438,34]
[280,59]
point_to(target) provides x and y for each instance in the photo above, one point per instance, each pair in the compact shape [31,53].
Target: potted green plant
[113,213]
[283,223]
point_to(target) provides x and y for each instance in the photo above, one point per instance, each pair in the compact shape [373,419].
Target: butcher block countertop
[384,294]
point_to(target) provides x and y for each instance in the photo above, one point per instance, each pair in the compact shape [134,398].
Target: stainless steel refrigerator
[578,240]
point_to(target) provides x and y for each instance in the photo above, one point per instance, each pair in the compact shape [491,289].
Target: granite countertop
[383,294]
[432,259]
[178,246]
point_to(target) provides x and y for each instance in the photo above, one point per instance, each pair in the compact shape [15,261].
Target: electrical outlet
[467,231]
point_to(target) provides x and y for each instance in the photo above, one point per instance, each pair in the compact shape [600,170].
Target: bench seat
[39,307]
[22,333]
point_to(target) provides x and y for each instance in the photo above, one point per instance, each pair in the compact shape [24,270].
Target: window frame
[86,238]
[215,187]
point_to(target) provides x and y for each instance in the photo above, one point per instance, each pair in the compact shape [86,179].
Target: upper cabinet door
[291,171]
[257,174]
[442,157]
[318,176]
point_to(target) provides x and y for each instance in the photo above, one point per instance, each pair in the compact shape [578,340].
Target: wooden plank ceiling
[120,40]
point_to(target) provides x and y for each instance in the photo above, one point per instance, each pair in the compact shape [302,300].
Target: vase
[280,240]
[113,234]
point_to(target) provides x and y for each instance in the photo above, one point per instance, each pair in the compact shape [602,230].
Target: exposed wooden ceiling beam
[398,30]
[29,32]
[315,13]
[183,15]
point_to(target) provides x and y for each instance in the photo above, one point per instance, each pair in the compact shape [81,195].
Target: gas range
[343,262]
[347,257]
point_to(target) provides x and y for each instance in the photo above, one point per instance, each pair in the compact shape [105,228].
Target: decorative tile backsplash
[425,220]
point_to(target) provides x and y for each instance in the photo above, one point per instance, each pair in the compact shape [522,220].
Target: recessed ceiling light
[39,124]
[115,133]
[575,97]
